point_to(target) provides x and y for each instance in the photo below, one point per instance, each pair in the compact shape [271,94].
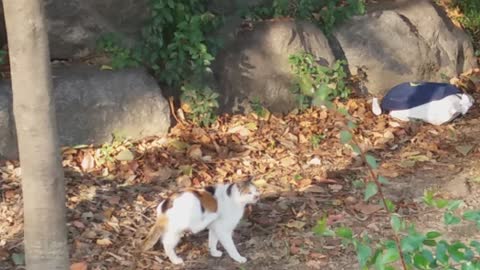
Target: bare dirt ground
[298,163]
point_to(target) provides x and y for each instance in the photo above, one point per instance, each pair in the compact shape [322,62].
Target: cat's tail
[376,109]
[155,232]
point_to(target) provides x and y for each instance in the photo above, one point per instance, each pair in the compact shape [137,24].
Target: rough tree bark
[45,233]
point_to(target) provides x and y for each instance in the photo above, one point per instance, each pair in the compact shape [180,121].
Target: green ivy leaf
[351,125]
[420,261]
[428,197]
[433,235]
[363,253]
[390,206]
[396,223]
[370,190]
[343,111]
[345,136]
[344,232]
[455,251]
[472,215]
[391,255]
[440,203]
[475,244]
[322,229]
[412,242]
[356,149]
[441,252]
[450,219]
[430,242]
[454,205]
[371,161]
[383,180]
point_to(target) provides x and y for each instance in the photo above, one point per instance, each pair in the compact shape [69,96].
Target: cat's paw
[177,260]
[216,253]
[240,259]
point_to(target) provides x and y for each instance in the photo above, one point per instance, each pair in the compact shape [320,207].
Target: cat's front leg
[212,244]
[227,242]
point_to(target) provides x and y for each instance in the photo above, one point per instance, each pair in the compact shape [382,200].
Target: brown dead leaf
[295,224]
[78,224]
[4,254]
[335,187]
[184,181]
[195,152]
[104,242]
[88,162]
[367,209]
[79,266]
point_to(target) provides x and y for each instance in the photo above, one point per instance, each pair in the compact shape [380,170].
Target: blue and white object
[434,103]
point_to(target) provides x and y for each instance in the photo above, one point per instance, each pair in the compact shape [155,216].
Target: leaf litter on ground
[111,203]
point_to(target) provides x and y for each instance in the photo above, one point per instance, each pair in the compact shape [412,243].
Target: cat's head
[245,192]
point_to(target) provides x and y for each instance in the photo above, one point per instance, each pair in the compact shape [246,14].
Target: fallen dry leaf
[79,266]
[104,242]
[88,162]
[367,209]
[296,224]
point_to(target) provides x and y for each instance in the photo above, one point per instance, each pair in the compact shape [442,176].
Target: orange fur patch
[244,186]
[206,199]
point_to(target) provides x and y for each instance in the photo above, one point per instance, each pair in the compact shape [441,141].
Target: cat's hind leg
[206,220]
[170,240]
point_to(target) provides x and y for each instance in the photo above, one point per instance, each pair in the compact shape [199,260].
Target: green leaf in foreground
[396,223]
[345,136]
[371,161]
[344,232]
[450,219]
[363,253]
[370,190]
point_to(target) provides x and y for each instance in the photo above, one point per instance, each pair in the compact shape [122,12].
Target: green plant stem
[382,197]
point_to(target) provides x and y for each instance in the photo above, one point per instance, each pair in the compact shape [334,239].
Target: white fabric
[436,112]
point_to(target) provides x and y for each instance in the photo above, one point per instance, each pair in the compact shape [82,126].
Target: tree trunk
[45,232]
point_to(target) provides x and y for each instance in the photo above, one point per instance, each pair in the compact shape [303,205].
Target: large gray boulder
[74,26]
[404,41]
[92,105]
[255,64]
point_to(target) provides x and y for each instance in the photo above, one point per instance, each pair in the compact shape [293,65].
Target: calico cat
[218,208]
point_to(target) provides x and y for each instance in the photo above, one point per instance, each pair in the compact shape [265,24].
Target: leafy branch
[411,248]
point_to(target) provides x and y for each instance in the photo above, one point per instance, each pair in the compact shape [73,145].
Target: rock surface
[74,26]
[255,64]
[92,105]
[404,41]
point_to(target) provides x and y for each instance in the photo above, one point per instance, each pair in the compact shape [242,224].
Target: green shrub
[199,103]
[314,83]
[121,56]
[471,18]
[326,13]
[174,43]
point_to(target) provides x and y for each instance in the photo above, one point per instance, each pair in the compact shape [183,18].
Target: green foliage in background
[200,103]
[121,56]
[471,18]
[176,45]
[314,83]
[325,13]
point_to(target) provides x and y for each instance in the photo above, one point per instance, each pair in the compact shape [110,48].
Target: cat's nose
[256,197]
